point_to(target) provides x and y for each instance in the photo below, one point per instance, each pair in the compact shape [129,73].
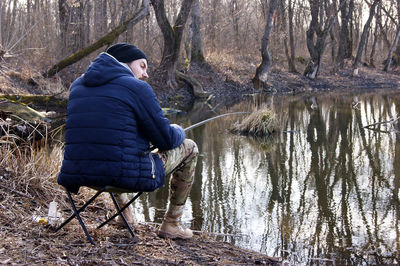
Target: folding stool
[111,190]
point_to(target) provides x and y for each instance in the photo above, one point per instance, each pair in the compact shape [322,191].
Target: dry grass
[25,79]
[260,123]
[235,67]
[32,164]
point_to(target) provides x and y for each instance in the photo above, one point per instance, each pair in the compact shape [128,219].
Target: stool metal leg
[121,210]
[122,215]
[81,208]
[79,219]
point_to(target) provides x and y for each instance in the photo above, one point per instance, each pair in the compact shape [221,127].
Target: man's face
[139,68]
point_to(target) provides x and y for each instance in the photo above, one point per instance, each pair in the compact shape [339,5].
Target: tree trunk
[389,58]
[363,39]
[213,25]
[292,57]
[332,32]
[345,11]
[283,27]
[234,8]
[147,29]
[349,47]
[79,37]
[373,48]
[72,26]
[63,17]
[384,35]
[316,50]
[187,44]
[262,71]
[89,6]
[100,18]
[172,37]
[28,13]
[1,27]
[197,43]
[107,39]
[312,68]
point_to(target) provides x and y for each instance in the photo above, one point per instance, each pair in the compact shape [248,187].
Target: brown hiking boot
[171,226]
[174,230]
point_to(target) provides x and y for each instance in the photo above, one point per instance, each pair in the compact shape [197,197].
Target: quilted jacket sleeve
[151,120]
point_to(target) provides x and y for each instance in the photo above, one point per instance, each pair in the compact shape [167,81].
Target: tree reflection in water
[326,191]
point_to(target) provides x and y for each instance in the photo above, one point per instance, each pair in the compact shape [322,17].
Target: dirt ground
[26,241]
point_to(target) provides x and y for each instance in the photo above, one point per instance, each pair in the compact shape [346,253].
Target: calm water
[325,192]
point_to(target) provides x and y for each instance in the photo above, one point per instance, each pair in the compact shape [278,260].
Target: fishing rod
[202,123]
[213,118]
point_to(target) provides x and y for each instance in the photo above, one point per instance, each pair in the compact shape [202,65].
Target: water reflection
[327,190]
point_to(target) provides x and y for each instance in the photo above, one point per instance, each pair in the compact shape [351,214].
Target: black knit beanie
[125,52]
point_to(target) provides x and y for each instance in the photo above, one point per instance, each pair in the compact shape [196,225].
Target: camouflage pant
[181,163]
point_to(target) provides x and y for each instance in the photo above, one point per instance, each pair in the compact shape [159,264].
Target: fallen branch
[17,192]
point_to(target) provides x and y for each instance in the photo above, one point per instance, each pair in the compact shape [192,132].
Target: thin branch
[17,192]
[23,35]
[389,15]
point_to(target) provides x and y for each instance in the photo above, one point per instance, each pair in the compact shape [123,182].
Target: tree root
[198,90]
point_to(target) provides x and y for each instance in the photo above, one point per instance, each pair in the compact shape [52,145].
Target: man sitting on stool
[112,117]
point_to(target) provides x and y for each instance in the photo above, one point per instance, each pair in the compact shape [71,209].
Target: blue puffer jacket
[111,118]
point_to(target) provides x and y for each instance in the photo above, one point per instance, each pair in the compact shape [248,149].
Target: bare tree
[395,41]
[213,24]
[388,61]
[363,39]
[375,41]
[172,37]
[63,17]
[345,44]
[235,13]
[2,51]
[332,32]
[108,39]
[100,18]
[316,50]
[72,26]
[197,43]
[290,52]
[262,71]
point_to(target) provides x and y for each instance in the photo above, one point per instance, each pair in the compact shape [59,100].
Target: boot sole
[171,236]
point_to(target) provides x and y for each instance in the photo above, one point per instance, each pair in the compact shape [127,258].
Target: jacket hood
[104,69]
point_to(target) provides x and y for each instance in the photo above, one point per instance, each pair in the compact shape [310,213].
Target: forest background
[242,41]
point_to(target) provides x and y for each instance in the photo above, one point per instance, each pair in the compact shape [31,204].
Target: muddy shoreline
[226,91]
